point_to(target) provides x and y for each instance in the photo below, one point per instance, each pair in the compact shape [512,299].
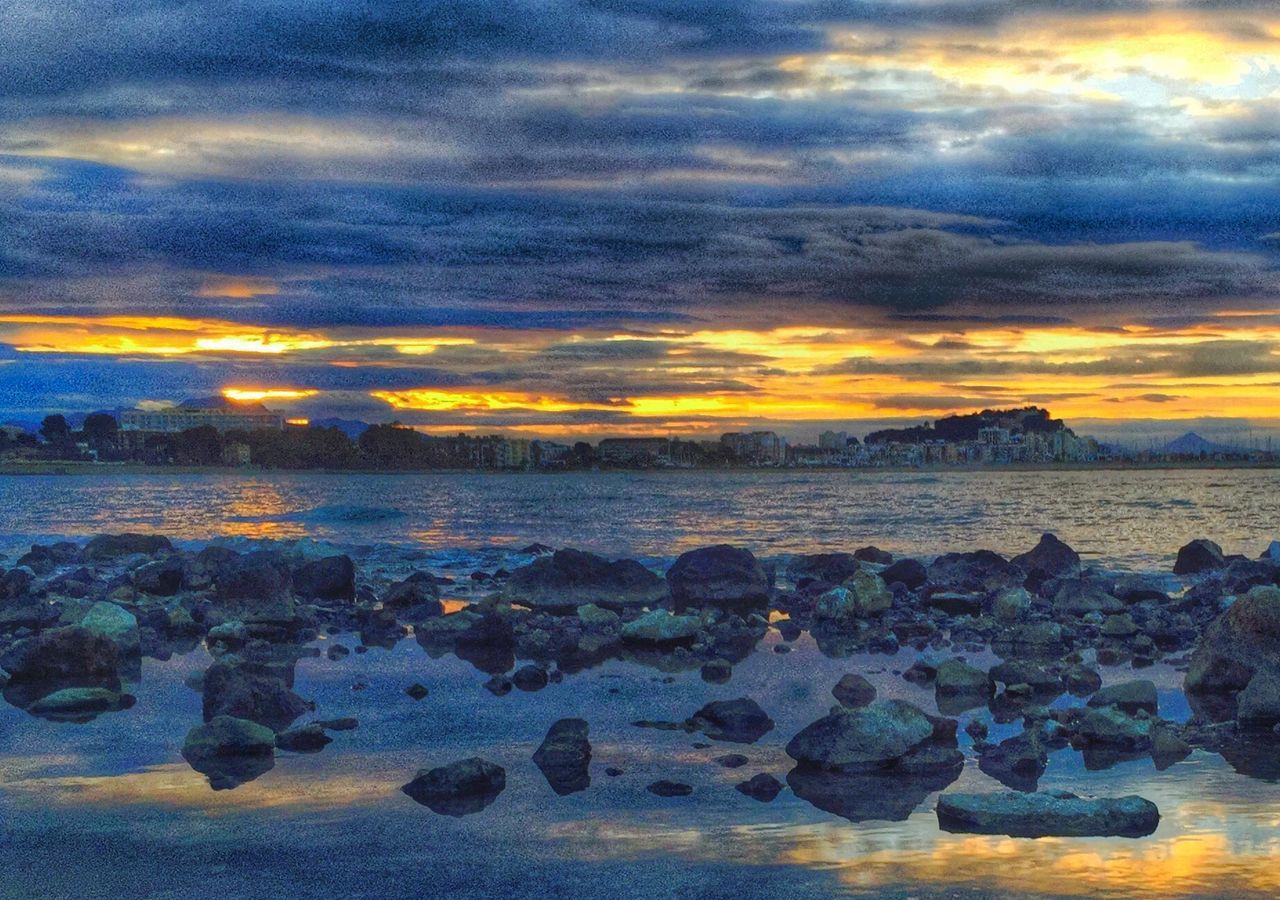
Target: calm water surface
[109,808]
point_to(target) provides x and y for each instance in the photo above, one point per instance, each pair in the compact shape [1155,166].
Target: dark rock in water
[863,594]
[828,568]
[1039,679]
[956,603]
[418,596]
[536,549]
[571,578]
[244,692]
[873,555]
[1110,726]
[347,723]
[920,672]
[1136,589]
[1237,645]
[721,576]
[1050,558]
[1242,574]
[887,795]
[306,739]
[718,671]
[976,729]
[1081,680]
[530,678]
[660,627]
[1130,696]
[739,721]
[79,704]
[106,547]
[15,583]
[910,572]
[1199,556]
[331,578]
[564,756]
[229,751]
[254,578]
[613,771]
[458,789]
[1016,762]
[732,760]
[762,787]
[876,737]
[71,656]
[162,578]
[1081,596]
[853,691]
[955,676]
[499,685]
[1047,814]
[416,691]
[1119,626]
[979,570]
[666,788]
[1258,705]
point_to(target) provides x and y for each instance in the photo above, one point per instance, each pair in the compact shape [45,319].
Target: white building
[219,412]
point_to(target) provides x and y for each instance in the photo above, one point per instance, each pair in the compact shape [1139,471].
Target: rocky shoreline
[77,619]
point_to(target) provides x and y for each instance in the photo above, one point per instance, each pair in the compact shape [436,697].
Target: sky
[582,218]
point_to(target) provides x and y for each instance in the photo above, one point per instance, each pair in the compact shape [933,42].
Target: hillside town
[221,432]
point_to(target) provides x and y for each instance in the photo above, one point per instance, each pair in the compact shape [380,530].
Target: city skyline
[584,220]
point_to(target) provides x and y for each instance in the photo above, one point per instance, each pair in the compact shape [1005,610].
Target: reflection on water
[118,789]
[1133,518]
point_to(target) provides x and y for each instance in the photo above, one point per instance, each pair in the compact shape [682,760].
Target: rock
[499,685]
[956,603]
[162,578]
[874,737]
[71,655]
[958,677]
[330,578]
[1047,814]
[253,580]
[116,624]
[1017,762]
[909,572]
[853,691]
[862,595]
[1258,705]
[739,721]
[1119,626]
[15,583]
[1199,556]
[732,760]
[762,787]
[459,788]
[597,618]
[718,671]
[229,751]
[889,795]
[243,692]
[564,756]
[661,627]
[980,570]
[306,739]
[720,576]
[1081,680]
[1238,643]
[107,547]
[1130,696]
[1111,726]
[1133,589]
[530,678]
[231,634]
[79,704]
[416,691]
[666,788]
[828,568]
[1011,605]
[1018,671]
[1050,558]
[416,597]
[346,723]
[873,555]
[568,579]
[1081,596]
[1272,553]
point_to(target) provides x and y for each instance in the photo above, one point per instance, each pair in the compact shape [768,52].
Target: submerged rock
[665,788]
[739,721]
[565,755]
[459,788]
[763,787]
[1047,814]
[722,576]
[305,739]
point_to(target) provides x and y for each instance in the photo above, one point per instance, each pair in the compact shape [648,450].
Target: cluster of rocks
[75,621]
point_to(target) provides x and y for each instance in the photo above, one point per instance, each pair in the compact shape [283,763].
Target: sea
[109,808]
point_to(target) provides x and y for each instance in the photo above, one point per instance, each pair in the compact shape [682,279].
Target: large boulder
[978,570]
[330,578]
[861,595]
[564,756]
[107,547]
[1081,596]
[1050,558]
[253,579]
[879,736]
[1240,642]
[229,751]
[162,578]
[739,721]
[828,568]
[116,624]
[908,571]
[245,692]
[1200,555]
[459,788]
[15,583]
[570,578]
[416,597]
[955,676]
[67,656]
[1047,814]
[721,576]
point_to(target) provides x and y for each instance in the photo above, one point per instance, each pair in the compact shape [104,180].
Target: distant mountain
[352,428]
[1192,444]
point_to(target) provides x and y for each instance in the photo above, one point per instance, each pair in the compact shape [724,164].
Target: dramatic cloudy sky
[589,217]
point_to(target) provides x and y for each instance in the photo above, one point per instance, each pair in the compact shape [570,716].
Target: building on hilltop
[218,412]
